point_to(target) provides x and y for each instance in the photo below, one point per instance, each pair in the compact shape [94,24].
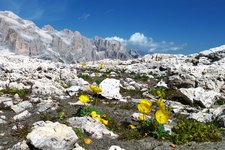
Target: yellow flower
[96,116]
[87,141]
[132,126]
[158,93]
[162,116]
[142,117]
[95,89]
[104,115]
[96,74]
[83,64]
[105,122]
[161,104]
[102,66]
[84,98]
[145,106]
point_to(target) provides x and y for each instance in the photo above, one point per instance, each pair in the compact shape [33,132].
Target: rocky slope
[39,99]
[24,37]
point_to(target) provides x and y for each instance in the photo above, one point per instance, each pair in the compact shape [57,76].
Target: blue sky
[170,26]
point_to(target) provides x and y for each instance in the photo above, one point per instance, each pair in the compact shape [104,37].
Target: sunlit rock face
[24,37]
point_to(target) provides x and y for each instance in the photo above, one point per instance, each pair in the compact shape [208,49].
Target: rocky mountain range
[24,37]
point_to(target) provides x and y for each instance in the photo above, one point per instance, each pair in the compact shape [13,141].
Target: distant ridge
[24,37]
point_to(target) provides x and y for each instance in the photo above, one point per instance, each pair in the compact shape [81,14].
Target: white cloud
[36,15]
[138,41]
[116,38]
[138,38]
[84,16]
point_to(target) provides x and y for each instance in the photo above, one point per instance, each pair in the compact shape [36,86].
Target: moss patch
[187,130]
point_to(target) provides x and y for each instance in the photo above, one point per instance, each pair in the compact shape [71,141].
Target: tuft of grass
[79,133]
[21,92]
[61,115]
[143,77]
[187,130]
[85,77]
[130,134]
[22,131]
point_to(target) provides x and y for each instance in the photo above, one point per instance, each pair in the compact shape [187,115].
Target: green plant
[86,111]
[220,102]
[186,130]
[79,133]
[153,128]
[63,84]
[130,134]
[85,77]
[143,77]
[21,92]
[61,115]
[158,91]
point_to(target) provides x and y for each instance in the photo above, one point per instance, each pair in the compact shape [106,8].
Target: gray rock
[23,115]
[73,90]
[213,54]
[21,106]
[46,87]
[52,136]
[6,101]
[115,147]
[78,147]
[20,146]
[221,120]
[205,97]
[201,116]
[2,121]
[110,88]
[217,111]
[46,104]
[92,126]
[162,84]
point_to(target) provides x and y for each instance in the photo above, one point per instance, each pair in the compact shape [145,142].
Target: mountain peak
[24,37]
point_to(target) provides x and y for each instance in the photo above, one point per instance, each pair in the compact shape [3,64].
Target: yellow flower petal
[161,104]
[132,126]
[158,93]
[102,66]
[96,116]
[162,116]
[83,65]
[93,113]
[95,89]
[104,115]
[84,98]
[105,122]
[145,101]
[144,108]
[142,117]
[87,141]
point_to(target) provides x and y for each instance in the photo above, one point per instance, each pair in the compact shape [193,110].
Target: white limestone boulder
[205,97]
[110,88]
[52,136]
[92,126]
